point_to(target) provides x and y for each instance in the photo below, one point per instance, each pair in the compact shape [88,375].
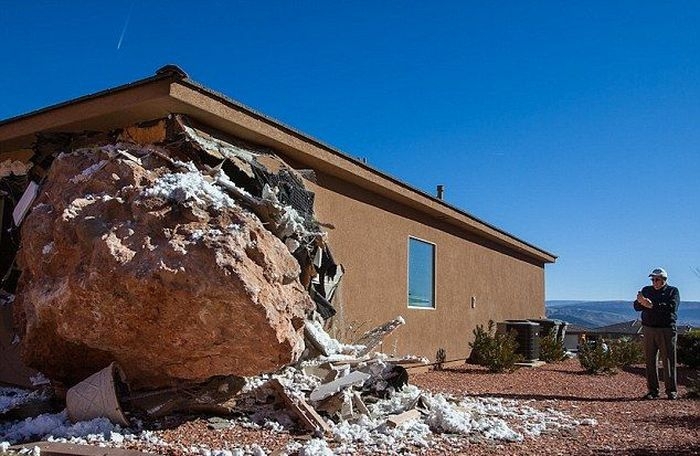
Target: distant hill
[594,314]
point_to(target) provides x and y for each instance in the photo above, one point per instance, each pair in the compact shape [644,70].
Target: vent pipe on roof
[440,191]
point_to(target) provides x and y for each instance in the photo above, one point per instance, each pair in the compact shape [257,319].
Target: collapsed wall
[140,248]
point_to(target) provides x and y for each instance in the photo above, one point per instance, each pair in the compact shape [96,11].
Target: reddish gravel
[626,425]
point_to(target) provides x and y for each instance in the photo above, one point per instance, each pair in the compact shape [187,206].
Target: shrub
[688,348]
[497,352]
[626,352]
[693,386]
[440,358]
[504,355]
[551,349]
[597,358]
[481,345]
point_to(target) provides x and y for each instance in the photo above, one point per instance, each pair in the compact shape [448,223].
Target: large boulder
[150,265]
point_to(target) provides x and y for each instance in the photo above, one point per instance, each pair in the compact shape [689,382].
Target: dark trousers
[660,341]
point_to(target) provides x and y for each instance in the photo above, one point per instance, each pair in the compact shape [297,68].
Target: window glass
[421,272]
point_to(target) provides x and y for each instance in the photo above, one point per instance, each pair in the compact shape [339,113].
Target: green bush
[693,386]
[627,352]
[600,357]
[440,358]
[597,358]
[688,348]
[497,352]
[504,354]
[551,349]
[481,345]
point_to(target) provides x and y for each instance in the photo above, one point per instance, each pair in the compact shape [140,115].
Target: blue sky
[572,125]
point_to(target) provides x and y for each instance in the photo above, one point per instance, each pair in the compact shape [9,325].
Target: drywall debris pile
[343,402]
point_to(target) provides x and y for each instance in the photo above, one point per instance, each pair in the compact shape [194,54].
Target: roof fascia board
[232,117]
[81,109]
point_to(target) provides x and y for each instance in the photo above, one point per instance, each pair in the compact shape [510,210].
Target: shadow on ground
[555,397]
[691,422]
[671,451]
[682,373]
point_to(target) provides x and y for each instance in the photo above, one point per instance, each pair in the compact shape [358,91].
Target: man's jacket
[664,305]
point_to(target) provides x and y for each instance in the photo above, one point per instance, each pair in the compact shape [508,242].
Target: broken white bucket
[96,397]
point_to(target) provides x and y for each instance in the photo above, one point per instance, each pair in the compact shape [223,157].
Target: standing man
[659,304]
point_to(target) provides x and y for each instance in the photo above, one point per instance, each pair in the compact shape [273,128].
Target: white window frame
[408,273]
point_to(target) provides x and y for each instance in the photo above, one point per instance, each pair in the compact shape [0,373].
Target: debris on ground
[355,417]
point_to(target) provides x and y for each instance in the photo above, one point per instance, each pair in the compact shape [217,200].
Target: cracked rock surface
[156,268]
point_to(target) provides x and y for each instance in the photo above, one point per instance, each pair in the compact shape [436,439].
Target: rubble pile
[343,402]
[149,256]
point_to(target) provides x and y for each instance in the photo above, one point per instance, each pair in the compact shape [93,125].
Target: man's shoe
[650,396]
[672,396]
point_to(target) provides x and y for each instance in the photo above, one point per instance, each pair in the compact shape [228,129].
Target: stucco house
[405,252]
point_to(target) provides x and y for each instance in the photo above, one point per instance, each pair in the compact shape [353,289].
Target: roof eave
[261,128]
[72,114]
[171,91]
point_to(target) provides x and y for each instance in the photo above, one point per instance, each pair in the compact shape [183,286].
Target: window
[421,274]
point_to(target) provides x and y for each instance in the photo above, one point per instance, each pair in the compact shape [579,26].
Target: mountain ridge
[594,314]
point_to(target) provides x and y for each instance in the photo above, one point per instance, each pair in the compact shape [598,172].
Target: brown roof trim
[182,96]
[530,248]
[166,72]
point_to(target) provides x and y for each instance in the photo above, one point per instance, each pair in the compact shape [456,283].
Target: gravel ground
[607,414]
[625,425]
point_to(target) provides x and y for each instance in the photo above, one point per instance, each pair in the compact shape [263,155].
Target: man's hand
[646,302]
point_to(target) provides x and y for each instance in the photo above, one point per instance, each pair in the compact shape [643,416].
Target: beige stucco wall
[370,238]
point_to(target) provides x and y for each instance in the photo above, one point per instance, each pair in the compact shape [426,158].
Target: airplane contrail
[126,24]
